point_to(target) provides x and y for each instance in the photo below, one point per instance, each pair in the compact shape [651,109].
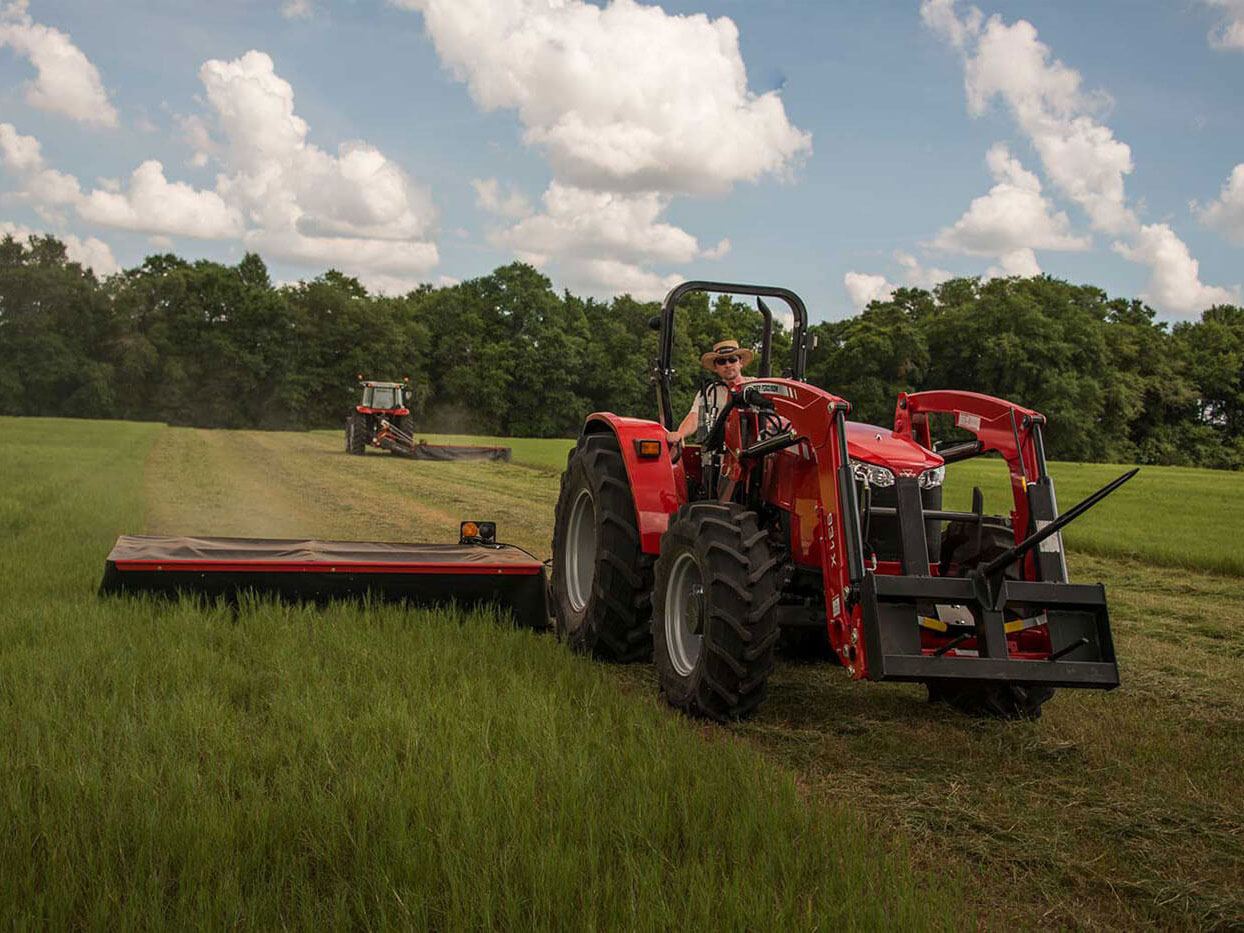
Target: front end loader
[791,520]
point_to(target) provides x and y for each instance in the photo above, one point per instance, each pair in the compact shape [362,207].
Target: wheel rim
[684,614]
[580,565]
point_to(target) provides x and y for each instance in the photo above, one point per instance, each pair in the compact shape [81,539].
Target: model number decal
[969,422]
[772,388]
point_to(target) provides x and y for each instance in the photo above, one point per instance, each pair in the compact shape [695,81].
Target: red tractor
[791,519]
[383,404]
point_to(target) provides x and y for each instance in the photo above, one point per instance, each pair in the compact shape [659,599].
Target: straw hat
[726,348]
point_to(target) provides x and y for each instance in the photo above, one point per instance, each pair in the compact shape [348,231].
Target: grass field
[304,767]
[172,766]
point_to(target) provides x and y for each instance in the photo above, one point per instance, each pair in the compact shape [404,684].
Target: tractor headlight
[932,478]
[872,475]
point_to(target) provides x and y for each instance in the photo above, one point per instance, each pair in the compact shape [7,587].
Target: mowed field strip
[1115,809]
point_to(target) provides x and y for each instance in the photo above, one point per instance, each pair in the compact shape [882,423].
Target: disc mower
[477,571]
[790,520]
[383,420]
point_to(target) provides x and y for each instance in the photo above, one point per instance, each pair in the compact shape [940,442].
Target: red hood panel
[883,447]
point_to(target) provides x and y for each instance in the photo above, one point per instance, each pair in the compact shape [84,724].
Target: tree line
[211,345]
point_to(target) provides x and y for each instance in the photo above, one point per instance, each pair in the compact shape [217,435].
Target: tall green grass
[173,765]
[1175,516]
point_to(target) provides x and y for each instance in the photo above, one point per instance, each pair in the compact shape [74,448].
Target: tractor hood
[901,455]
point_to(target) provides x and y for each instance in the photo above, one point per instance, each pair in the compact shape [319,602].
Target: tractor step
[467,574]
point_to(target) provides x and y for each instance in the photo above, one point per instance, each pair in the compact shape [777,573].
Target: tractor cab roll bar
[662,372]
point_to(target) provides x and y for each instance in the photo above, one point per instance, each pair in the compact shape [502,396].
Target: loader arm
[1014,433]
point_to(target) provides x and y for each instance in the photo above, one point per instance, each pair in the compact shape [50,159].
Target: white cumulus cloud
[609,277]
[1011,221]
[863,288]
[153,204]
[45,187]
[940,16]
[1079,154]
[355,209]
[631,106]
[1229,33]
[1174,281]
[65,81]
[577,222]
[625,96]
[1227,213]
[918,275]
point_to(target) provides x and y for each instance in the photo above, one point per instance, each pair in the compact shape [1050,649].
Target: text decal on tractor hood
[772,388]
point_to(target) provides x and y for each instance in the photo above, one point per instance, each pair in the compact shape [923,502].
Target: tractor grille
[883,532]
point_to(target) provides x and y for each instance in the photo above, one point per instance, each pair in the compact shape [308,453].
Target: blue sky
[871,144]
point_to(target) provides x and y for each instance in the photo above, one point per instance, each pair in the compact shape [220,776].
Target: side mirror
[654,322]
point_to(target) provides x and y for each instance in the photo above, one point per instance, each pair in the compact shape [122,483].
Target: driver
[726,361]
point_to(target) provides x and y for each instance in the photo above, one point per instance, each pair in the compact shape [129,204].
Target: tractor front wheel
[714,625]
[996,701]
[601,580]
[961,555]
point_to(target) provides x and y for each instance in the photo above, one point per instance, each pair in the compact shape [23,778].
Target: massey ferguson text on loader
[791,518]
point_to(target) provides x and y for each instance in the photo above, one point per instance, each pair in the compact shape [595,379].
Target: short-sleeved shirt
[717,395]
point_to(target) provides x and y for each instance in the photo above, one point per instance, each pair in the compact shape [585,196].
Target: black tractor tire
[356,434]
[993,701]
[723,672]
[601,580]
[805,644]
[404,423]
[978,698]
[959,552]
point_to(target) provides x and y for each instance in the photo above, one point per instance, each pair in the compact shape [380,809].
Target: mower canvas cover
[470,574]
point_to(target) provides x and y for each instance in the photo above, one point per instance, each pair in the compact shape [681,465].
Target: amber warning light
[648,450]
[477,533]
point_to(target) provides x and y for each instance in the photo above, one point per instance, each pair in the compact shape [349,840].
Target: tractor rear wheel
[714,624]
[978,698]
[356,434]
[601,580]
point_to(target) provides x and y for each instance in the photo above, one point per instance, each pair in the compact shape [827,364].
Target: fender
[658,486]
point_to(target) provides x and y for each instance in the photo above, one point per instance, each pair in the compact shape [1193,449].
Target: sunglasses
[725,360]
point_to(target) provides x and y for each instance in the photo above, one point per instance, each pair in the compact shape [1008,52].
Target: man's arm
[689,424]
